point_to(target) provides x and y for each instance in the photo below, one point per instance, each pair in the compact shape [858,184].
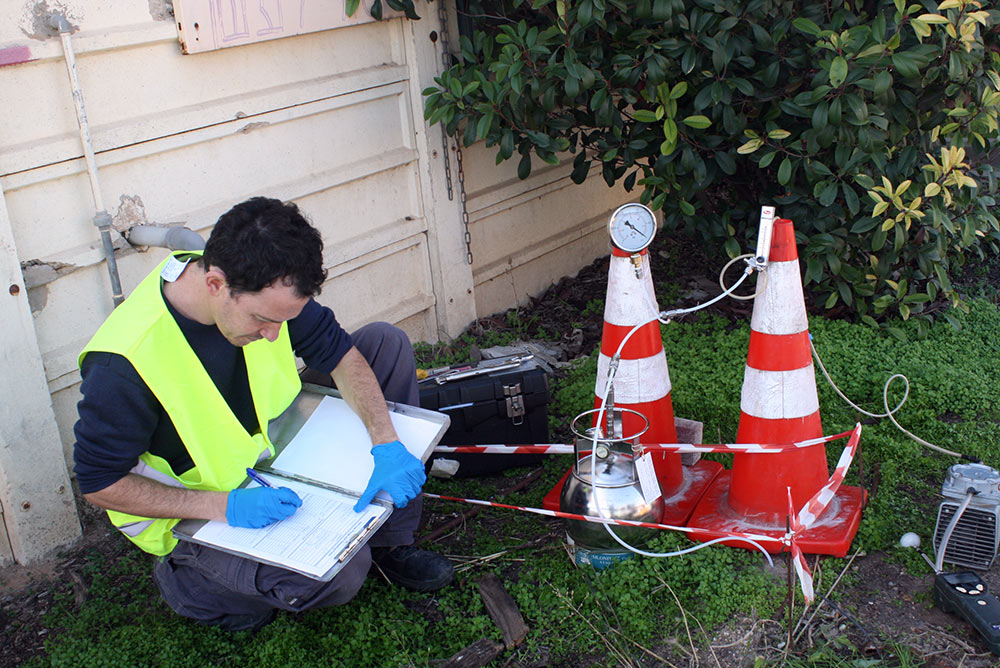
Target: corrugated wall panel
[147,90]
[322,119]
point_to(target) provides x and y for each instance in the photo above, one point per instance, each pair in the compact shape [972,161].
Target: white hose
[763,276]
[943,547]
[885,403]
[665,316]
[687,550]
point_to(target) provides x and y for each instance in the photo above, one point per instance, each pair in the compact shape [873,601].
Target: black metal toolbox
[503,406]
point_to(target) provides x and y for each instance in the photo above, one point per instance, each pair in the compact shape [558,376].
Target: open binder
[323,454]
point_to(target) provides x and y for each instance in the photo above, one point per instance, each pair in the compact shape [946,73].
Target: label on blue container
[598,559]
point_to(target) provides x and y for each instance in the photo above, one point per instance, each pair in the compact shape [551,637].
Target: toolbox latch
[515,403]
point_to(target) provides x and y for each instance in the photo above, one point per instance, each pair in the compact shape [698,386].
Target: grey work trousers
[221,589]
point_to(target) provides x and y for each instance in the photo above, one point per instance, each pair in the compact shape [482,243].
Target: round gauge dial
[632,227]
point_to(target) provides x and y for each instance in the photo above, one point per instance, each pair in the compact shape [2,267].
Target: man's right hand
[257,507]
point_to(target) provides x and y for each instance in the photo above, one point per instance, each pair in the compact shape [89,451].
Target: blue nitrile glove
[397,472]
[256,507]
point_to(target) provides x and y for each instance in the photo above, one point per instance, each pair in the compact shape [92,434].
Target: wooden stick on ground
[503,610]
[476,655]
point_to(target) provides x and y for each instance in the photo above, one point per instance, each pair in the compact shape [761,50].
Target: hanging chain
[445,54]
[446,63]
[465,209]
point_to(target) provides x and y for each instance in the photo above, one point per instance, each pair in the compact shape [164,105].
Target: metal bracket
[515,403]
[766,228]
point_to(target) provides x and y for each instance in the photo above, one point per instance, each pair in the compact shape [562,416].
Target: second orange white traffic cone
[779,404]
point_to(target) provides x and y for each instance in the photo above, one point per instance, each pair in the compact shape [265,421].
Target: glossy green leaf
[785,171]
[697,121]
[726,162]
[829,194]
[851,198]
[806,26]
[670,130]
[524,166]
[838,71]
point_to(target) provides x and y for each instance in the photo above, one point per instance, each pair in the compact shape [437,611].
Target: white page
[310,541]
[333,445]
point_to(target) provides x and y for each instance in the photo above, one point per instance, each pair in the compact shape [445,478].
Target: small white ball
[909,539]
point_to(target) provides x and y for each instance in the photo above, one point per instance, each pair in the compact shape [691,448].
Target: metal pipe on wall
[174,238]
[102,219]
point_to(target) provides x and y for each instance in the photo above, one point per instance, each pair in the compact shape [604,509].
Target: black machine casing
[507,406]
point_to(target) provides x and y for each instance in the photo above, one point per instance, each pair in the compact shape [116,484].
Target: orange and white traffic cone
[779,404]
[642,382]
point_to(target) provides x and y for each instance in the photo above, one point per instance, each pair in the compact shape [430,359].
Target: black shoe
[414,569]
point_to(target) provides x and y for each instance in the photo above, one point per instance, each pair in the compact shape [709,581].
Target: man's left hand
[397,472]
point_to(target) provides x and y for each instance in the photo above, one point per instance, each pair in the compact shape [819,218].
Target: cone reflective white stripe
[633,300]
[775,395]
[781,311]
[637,381]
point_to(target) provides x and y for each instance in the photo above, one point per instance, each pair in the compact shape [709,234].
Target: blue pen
[258,478]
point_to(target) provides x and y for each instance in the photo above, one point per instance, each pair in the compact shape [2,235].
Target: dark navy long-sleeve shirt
[121,418]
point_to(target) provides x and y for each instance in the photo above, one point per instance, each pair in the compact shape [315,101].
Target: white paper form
[333,445]
[311,541]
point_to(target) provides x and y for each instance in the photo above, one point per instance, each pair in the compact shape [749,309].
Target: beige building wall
[527,234]
[329,119]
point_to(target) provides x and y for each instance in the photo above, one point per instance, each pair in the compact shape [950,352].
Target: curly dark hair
[263,240]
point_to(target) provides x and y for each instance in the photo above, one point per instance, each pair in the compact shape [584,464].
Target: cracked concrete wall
[161,10]
[35,20]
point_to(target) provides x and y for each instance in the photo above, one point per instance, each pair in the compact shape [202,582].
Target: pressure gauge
[632,227]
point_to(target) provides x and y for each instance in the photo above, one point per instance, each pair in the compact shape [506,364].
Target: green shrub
[868,123]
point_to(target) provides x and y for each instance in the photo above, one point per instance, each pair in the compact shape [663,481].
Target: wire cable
[885,403]
[763,276]
[665,316]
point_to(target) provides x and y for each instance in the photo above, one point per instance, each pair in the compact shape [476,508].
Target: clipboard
[334,534]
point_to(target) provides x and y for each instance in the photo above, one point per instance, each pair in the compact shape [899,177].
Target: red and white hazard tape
[606,520]
[802,571]
[563,449]
[815,506]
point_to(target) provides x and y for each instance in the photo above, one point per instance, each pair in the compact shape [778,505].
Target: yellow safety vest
[143,331]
